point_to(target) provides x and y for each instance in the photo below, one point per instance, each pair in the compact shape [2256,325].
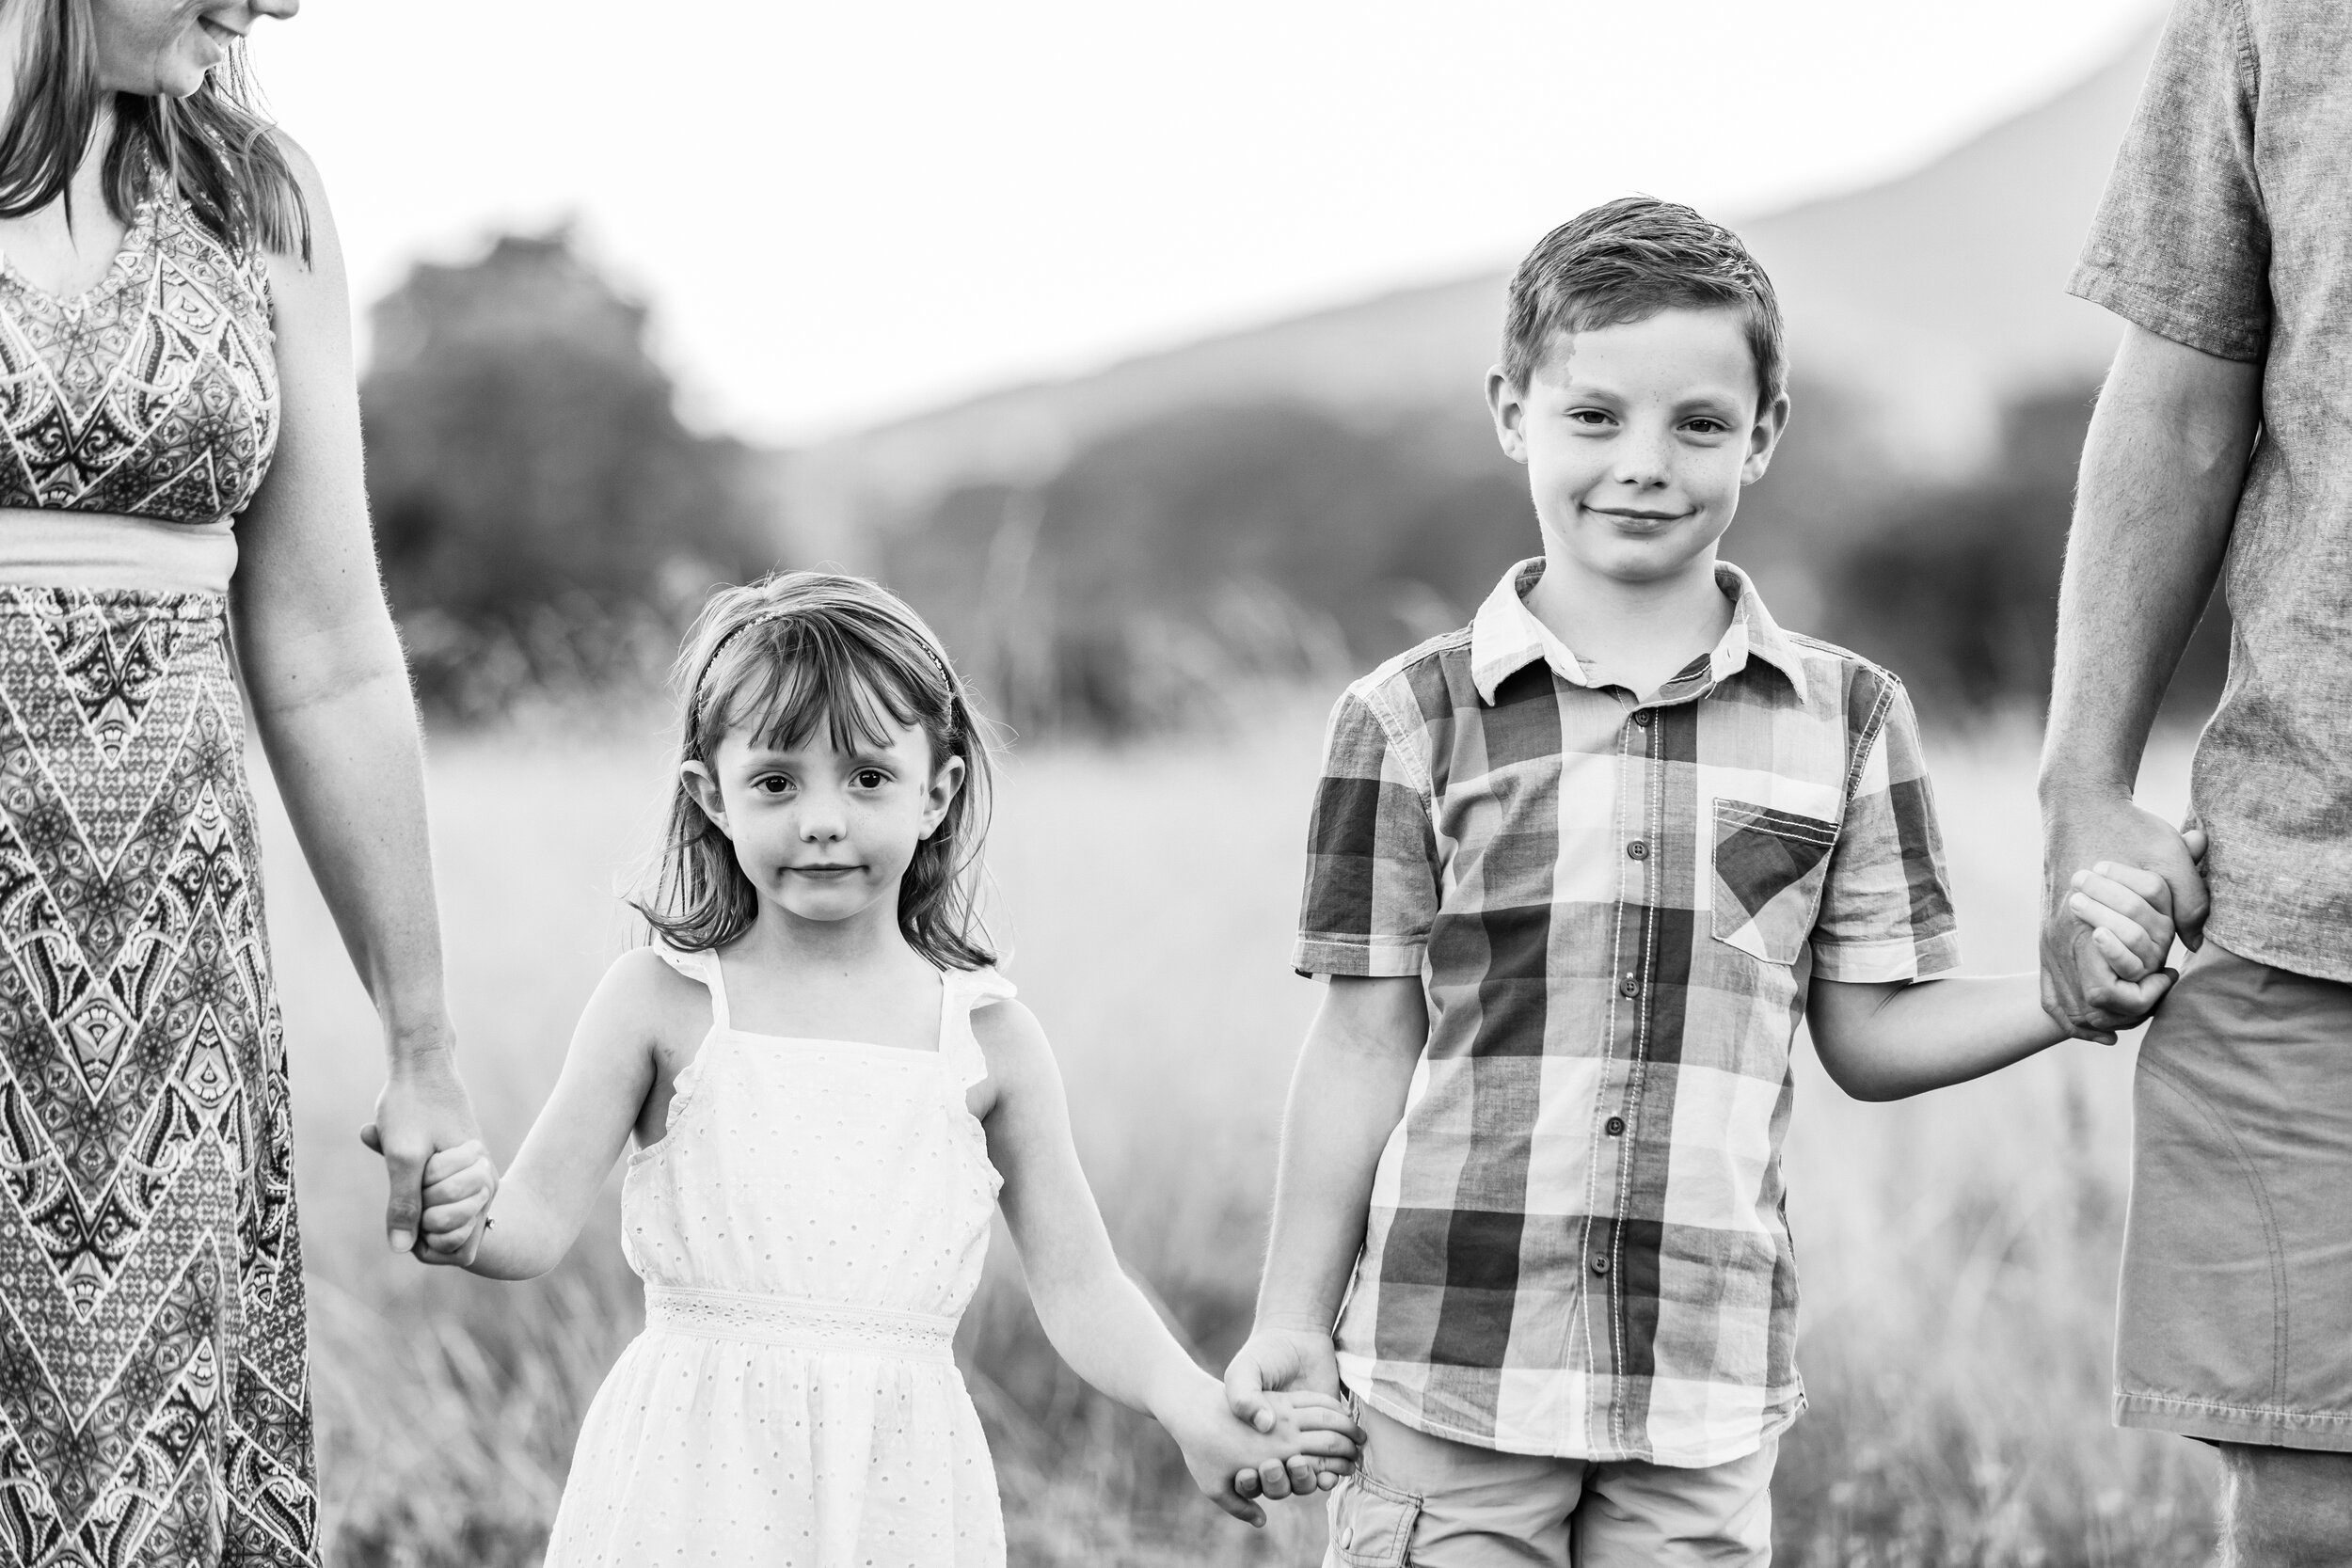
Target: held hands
[457,1186]
[1278,1357]
[1308,1432]
[422,1108]
[2124,916]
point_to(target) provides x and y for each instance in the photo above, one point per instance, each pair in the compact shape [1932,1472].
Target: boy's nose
[1643,460]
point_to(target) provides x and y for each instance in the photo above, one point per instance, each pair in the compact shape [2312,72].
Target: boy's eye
[1591,416]
[1707,427]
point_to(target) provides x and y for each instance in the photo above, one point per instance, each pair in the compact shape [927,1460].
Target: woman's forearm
[337,721]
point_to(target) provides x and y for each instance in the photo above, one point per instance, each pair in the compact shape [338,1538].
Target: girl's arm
[1093,1312]
[543,1201]
[329,690]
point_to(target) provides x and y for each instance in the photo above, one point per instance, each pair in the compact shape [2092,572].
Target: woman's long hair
[213,147]
[780,657]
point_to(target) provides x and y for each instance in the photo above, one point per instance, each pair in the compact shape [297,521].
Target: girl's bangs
[784,686]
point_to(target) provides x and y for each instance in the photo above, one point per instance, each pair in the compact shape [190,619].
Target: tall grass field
[1959,1251]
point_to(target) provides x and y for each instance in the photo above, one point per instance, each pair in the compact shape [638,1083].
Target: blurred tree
[531,481]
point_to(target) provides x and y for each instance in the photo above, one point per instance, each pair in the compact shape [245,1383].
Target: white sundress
[809,1230]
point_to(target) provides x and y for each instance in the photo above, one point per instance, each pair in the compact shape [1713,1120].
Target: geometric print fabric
[153,394]
[155,1390]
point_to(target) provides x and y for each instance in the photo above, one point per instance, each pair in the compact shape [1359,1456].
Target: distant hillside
[1928,303]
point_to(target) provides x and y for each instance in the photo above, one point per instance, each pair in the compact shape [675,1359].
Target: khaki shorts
[2236,1318]
[1417,1501]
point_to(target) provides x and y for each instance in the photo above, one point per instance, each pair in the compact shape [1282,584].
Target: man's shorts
[2235,1322]
[1417,1501]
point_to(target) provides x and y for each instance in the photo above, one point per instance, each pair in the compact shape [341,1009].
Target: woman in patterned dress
[175,357]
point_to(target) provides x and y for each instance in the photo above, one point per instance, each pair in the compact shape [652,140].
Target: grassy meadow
[1959,1251]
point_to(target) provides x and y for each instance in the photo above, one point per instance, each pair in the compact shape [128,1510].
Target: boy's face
[1637,440]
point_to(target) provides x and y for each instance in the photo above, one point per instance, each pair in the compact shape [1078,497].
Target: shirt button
[1600,1265]
[1628,985]
[1639,849]
[1641,717]
[1616,1127]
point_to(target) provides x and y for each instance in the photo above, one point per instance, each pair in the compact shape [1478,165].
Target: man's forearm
[2161,474]
[1346,1098]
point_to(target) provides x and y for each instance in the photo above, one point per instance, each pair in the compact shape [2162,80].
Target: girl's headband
[765,616]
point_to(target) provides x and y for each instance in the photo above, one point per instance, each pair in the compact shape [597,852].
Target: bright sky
[845,211]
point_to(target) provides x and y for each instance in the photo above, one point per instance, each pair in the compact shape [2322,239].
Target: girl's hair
[779,658]
[214,148]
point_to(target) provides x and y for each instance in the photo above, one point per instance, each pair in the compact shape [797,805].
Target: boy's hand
[1277,1357]
[2128,911]
[458,1185]
[1308,1430]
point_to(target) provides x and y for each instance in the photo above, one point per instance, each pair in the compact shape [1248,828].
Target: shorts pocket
[1769,870]
[1371,1525]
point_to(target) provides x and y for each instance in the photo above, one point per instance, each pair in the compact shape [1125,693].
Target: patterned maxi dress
[154,1392]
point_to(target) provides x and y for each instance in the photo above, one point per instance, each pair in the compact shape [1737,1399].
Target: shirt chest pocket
[1769,868]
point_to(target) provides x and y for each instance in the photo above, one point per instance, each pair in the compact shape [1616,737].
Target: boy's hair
[779,658]
[1624,262]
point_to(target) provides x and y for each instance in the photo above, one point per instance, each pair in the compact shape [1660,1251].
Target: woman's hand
[422,1111]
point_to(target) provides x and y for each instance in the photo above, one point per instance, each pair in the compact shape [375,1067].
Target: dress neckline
[136,241]
[723,1020]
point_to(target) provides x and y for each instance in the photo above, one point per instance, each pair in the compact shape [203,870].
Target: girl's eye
[872,778]
[772,784]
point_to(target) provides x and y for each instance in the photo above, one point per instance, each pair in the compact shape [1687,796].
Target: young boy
[1576,873]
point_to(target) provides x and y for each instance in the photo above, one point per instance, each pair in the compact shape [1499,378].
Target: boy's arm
[1891,1041]
[1346,1098]
[545,1199]
[1096,1317]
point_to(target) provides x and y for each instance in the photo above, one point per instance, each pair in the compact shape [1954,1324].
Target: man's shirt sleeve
[1886,908]
[1372,872]
[2182,242]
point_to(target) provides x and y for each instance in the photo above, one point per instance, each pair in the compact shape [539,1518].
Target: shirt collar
[1505,636]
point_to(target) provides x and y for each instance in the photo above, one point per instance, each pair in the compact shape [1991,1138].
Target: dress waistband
[802,1325]
[105,551]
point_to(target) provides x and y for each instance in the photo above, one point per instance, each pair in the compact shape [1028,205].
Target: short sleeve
[2181,245]
[1887,908]
[1371,874]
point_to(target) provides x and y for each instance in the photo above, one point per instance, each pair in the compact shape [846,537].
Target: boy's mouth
[1639,520]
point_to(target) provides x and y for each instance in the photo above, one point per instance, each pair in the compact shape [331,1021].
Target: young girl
[828,1085]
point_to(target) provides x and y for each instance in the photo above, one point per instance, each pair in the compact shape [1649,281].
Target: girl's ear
[699,783]
[946,781]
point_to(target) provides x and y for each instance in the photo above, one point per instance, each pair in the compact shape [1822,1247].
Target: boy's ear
[1507,401]
[1764,439]
[703,788]
[946,781]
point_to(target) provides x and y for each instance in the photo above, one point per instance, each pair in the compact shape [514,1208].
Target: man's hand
[2080,988]
[423,1110]
[1281,1357]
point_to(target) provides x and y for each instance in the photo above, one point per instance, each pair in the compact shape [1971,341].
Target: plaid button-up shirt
[1576,1244]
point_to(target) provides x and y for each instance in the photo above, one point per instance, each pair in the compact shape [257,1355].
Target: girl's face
[825,835]
[163,48]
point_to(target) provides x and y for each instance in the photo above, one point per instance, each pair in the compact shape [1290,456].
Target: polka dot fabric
[809,1229]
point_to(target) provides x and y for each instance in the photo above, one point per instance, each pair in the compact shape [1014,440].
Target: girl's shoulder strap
[967,991]
[701,964]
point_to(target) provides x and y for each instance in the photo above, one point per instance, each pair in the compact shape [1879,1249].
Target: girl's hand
[458,1185]
[1218,1445]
